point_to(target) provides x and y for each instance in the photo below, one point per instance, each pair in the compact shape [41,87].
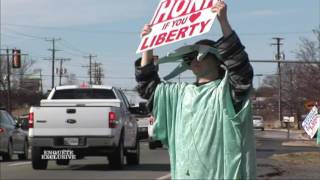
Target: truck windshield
[84,94]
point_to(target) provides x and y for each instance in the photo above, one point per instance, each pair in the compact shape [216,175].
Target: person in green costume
[206,125]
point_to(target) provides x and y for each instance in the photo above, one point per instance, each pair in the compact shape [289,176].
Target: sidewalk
[297,138]
[301,139]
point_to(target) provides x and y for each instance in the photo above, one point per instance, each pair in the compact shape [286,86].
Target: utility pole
[96,73]
[100,75]
[278,58]
[9,83]
[41,86]
[293,102]
[90,66]
[61,69]
[53,40]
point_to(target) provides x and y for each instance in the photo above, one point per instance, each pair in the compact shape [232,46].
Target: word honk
[176,20]
[171,9]
[167,37]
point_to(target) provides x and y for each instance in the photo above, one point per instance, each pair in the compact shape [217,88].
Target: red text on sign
[175,34]
[171,9]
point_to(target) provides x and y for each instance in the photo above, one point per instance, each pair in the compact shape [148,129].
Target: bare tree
[16,78]
[300,82]
[3,70]
[18,75]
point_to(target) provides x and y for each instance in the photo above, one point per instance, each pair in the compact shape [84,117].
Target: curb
[301,143]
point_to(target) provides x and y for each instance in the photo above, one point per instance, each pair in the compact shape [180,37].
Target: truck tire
[133,155]
[116,159]
[8,155]
[63,162]
[25,154]
[37,161]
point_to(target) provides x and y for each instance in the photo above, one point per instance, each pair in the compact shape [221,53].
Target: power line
[72,53]
[26,35]
[285,62]
[137,32]
[48,75]
[73,47]
[66,45]
[75,29]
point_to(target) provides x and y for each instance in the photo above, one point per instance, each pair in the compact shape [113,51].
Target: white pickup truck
[88,121]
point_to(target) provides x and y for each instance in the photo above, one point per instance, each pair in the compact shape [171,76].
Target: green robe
[206,139]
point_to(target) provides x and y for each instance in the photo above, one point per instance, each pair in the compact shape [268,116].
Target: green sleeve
[166,102]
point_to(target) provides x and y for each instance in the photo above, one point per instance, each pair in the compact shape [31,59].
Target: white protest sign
[176,20]
[312,122]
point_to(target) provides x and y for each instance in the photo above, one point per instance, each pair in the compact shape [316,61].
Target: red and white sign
[176,20]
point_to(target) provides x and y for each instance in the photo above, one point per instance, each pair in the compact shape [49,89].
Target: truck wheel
[133,155]
[62,162]
[116,159]
[37,161]
[8,155]
[25,154]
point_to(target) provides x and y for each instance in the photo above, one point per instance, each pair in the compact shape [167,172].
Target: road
[154,163]
[270,142]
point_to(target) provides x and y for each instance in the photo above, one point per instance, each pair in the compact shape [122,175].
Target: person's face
[201,68]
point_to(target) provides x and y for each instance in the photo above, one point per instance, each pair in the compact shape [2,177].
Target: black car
[13,140]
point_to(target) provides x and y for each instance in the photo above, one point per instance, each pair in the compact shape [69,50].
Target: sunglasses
[188,58]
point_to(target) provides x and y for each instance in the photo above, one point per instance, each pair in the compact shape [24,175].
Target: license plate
[71,141]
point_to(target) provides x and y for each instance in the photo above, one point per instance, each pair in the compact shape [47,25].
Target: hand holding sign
[221,9]
[146,30]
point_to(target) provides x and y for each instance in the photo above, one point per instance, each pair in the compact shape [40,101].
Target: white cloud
[70,12]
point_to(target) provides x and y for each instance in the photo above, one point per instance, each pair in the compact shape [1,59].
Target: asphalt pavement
[155,163]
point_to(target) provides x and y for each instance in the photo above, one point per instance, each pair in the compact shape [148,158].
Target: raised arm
[234,58]
[146,73]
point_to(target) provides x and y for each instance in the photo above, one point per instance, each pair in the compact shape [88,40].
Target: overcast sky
[110,29]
